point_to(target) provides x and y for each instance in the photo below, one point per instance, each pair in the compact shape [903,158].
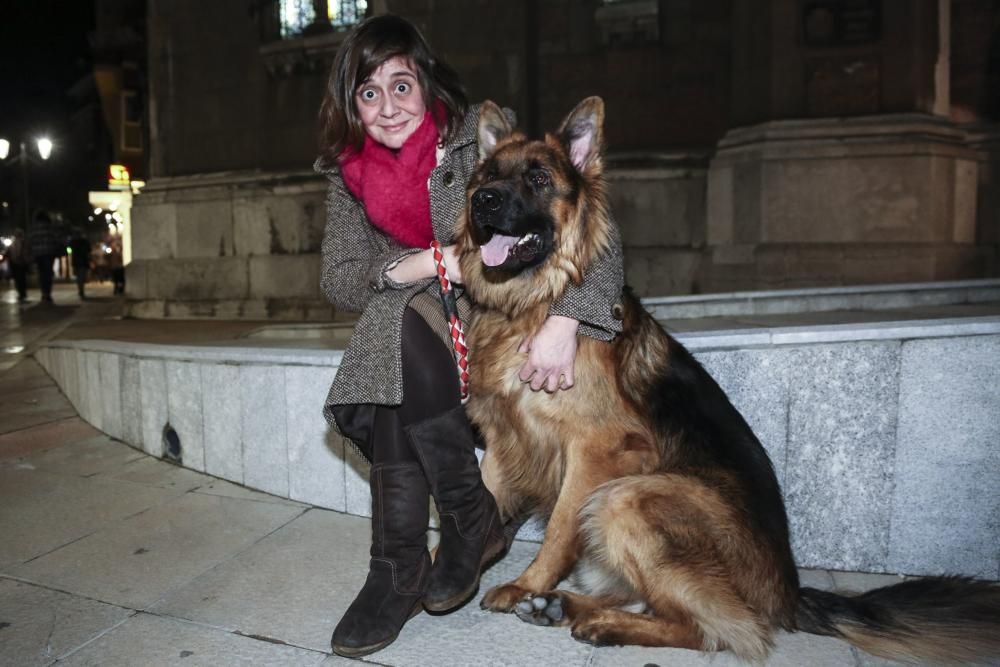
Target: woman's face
[390,102]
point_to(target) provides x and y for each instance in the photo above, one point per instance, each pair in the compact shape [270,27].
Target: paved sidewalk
[111,557]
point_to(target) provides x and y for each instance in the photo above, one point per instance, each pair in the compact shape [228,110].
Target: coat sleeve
[592,302]
[355,255]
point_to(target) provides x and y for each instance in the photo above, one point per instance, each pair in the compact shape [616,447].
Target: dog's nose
[487,201]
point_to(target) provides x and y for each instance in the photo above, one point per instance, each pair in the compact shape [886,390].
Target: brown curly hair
[365,49]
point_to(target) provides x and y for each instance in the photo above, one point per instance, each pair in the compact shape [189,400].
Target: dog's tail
[943,620]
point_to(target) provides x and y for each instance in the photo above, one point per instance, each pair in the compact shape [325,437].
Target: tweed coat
[356,256]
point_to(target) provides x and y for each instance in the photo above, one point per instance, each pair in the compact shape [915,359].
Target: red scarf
[393,184]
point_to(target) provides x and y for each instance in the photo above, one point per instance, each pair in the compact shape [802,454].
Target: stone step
[883,435]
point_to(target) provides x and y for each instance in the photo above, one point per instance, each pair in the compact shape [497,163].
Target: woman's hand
[451,261]
[551,355]
[420,265]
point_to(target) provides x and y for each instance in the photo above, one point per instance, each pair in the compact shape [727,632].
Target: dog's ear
[493,128]
[582,132]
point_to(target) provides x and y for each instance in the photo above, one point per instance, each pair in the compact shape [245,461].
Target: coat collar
[467,132]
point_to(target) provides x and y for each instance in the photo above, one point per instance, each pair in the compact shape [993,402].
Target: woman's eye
[368,95]
[402,88]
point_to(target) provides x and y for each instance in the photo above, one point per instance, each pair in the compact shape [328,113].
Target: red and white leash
[454,322]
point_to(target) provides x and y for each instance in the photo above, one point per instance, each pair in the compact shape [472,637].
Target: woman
[398,147]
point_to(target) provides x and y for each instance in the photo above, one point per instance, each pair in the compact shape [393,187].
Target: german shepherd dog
[654,487]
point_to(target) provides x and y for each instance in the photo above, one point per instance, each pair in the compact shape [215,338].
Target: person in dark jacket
[117,268]
[19,256]
[79,248]
[45,247]
[399,146]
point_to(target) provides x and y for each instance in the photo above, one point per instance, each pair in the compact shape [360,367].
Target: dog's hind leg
[615,627]
[600,621]
[671,539]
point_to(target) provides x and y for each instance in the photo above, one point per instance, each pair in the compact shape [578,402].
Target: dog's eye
[539,178]
[492,174]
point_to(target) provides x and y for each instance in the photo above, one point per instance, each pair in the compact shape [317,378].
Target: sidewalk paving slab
[44,436]
[294,584]
[152,640]
[41,511]
[83,458]
[151,472]
[136,561]
[220,487]
[791,650]
[39,625]
[36,407]
[28,374]
[471,636]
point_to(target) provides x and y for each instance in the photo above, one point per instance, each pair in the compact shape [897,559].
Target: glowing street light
[44,147]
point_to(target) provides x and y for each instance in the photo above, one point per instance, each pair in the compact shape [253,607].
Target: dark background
[44,53]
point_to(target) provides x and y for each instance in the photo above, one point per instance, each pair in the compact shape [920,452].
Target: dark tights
[430,388]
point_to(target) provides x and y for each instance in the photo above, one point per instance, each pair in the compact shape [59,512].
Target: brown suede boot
[400,565]
[471,533]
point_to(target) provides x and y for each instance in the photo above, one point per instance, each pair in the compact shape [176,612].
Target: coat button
[448,179]
[618,311]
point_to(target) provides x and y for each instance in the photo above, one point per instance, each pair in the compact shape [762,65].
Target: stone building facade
[752,145]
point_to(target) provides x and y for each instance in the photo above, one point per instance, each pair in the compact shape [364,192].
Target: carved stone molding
[629,22]
[307,54]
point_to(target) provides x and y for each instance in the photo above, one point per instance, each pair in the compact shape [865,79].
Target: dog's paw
[503,598]
[542,609]
[593,628]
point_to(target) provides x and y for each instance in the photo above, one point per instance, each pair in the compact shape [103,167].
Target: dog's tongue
[496,251]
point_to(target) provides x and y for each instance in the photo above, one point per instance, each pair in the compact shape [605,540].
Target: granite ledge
[232,354]
[840,333]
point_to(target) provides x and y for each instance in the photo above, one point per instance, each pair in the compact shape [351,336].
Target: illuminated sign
[118,177]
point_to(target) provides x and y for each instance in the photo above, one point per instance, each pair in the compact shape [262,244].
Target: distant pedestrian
[19,255]
[79,248]
[117,266]
[45,246]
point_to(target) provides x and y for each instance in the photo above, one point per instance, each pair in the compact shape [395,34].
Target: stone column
[985,139]
[843,167]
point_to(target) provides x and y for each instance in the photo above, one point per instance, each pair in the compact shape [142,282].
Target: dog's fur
[652,482]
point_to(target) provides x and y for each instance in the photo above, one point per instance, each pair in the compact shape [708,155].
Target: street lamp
[44,147]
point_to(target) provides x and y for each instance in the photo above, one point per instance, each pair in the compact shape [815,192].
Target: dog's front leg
[559,549]
[493,478]
[510,504]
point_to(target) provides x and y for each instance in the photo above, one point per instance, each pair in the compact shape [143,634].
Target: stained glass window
[297,15]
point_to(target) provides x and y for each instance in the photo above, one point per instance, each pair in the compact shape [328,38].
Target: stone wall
[883,436]
[885,199]
[230,245]
[661,213]
[986,141]
[883,183]
[246,245]
[877,199]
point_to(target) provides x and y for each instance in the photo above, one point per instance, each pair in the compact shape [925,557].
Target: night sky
[44,50]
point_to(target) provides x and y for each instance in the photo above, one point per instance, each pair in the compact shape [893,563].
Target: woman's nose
[388,106]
